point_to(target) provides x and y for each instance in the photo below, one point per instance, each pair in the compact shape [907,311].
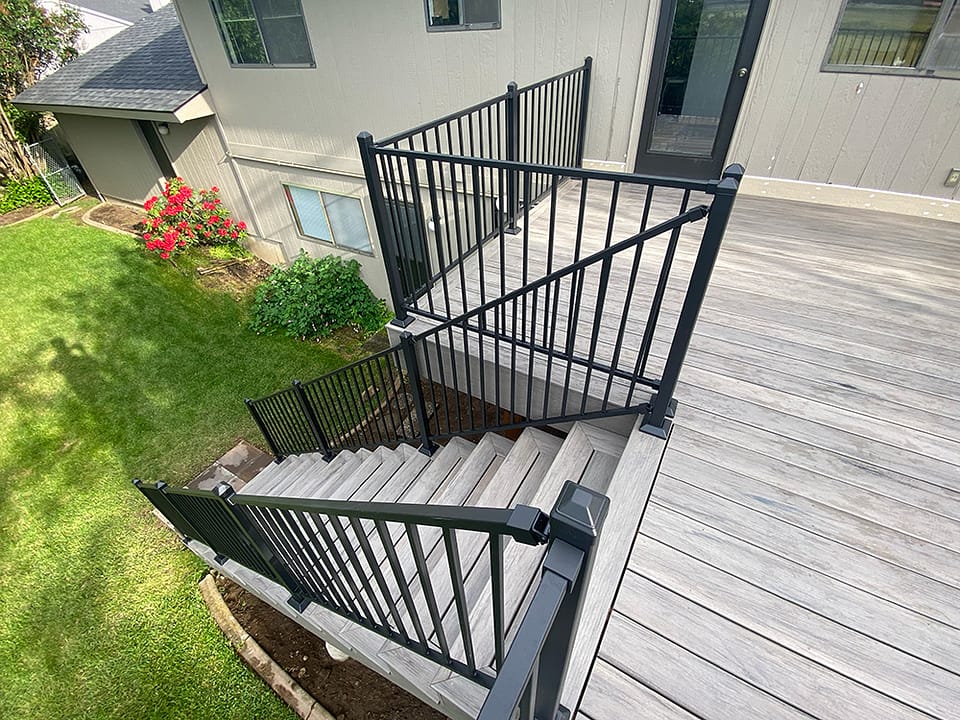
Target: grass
[114,365]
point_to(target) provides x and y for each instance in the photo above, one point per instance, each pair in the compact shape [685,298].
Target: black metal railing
[574,334]
[403,571]
[885,48]
[466,205]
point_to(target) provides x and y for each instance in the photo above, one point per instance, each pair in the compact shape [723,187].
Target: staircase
[397,522]
[492,472]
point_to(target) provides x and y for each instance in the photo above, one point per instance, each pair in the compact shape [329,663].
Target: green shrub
[312,298]
[24,192]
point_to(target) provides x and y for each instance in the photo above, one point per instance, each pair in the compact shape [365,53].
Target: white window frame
[496,25]
[333,241]
[921,69]
[228,43]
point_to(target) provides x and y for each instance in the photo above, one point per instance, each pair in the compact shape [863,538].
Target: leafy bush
[24,192]
[183,216]
[312,298]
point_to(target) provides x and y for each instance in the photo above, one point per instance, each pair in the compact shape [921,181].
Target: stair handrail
[304,546]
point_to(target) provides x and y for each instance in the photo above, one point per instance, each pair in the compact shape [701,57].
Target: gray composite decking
[799,555]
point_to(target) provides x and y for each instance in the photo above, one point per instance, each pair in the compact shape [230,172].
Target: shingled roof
[145,67]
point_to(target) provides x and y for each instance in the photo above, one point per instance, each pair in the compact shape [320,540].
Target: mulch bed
[122,217]
[349,690]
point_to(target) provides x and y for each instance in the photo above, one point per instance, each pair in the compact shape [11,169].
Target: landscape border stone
[289,690]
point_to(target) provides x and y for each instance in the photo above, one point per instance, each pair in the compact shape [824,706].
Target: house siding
[114,155]
[276,221]
[896,133]
[378,69]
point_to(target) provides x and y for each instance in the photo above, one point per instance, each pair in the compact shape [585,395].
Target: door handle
[742,72]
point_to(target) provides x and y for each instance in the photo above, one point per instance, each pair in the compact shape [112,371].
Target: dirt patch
[237,277]
[349,690]
[19,214]
[121,217]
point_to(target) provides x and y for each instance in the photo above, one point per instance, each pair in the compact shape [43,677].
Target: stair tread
[524,469]
[313,466]
[586,457]
[316,487]
[467,487]
[271,474]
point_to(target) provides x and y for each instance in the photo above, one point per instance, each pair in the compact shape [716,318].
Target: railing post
[655,422]
[419,405]
[388,245]
[224,493]
[277,457]
[157,497]
[584,106]
[576,519]
[512,121]
[312,420]
[536,666]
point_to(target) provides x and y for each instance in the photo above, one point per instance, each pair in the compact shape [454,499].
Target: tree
[32,40]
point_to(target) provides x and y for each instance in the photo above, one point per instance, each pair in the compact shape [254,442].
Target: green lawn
[114,366]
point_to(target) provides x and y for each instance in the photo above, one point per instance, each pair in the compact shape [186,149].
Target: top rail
[705,186]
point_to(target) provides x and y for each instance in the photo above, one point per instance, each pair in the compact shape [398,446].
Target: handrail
[694,214]
[576,173]
[344,557]
[424,127]
[522,523]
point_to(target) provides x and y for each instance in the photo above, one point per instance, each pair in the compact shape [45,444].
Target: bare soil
[237,277]
[121,217]
[349,690]
[18,214]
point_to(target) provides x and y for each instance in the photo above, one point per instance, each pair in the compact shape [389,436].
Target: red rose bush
[182,216]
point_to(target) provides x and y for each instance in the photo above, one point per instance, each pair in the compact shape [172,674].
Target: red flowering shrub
[183,216]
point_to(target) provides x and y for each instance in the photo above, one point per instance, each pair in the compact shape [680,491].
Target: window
[462,15]
[336,219]
[886,35]
[263,32]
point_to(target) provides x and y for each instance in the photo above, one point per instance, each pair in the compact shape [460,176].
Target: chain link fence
[53,169]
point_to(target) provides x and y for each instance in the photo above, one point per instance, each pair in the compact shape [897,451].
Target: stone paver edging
[299,700]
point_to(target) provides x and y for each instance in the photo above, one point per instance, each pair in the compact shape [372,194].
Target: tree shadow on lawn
[146,379]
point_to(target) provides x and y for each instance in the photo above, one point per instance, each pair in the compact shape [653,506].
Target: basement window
[445,15]
[263,32]
[898,36]
[328,217]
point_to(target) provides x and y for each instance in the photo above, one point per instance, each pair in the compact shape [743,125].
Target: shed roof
[147,67]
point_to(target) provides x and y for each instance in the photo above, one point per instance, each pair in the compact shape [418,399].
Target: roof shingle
[147,66]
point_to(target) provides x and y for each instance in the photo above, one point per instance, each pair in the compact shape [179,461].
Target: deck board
[800,552]
[803,532]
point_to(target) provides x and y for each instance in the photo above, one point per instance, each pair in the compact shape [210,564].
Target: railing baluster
[654,315]
[416,547]
[459,597]
[262,427]
[318,435]
[297,552]
[378,576]
[384,533]
[497,599]
[358,567]
[435,211]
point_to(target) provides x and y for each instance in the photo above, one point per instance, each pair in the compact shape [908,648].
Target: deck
[796,552]
[799,555]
